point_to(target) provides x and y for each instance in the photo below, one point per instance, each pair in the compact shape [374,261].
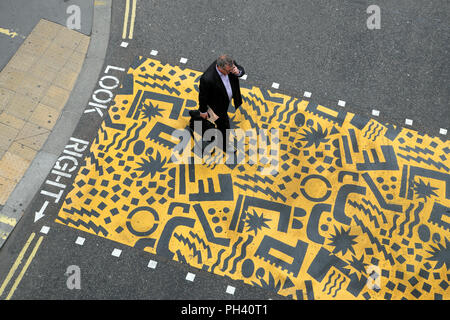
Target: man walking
[219,84]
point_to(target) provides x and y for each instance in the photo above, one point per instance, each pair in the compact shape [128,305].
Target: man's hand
[204,115]
[235,70]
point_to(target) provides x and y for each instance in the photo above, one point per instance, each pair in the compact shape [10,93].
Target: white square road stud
[275,85]
[154,52]
[45,229]
[408,122]
[307,94]
[231,289]
[443,131]
[80,241]
[341,103]
[152,264]
[375,113]
[116,253]
[124,44]
[190,276]
[183,60]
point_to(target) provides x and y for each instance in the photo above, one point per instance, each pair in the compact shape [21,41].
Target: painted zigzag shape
[267,190]
[154,77]
[191,246]
[253,104]
[95,162]
[255,178]
[90,225]
[428,161]
[162,87]
[259,100]
[202,242]
[372,239]
[374,207]
[367,211]
[249,119]
[417,150]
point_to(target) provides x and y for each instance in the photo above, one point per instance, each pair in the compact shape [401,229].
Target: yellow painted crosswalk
[351,209]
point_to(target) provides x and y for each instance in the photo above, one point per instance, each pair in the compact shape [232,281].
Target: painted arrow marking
[39,214]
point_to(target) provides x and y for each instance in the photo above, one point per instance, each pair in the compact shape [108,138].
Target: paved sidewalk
[43,91]
[35,86]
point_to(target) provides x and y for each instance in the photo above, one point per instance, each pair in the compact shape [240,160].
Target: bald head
[224,61]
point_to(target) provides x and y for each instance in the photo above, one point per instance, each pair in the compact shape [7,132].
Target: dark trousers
[223,123]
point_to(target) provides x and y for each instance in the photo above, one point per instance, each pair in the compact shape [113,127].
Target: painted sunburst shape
[441,255]
[423,190]
[314,136]
[342,241]
[357,264]
[149,111]
[271,285]
[255,222]
[151,166]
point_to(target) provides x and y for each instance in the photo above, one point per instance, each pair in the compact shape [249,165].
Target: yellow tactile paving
[55,56]
[56,97]
[66,78]
[8,135]
[5,97]
[68,38]
[12,166]
[23,60]
[35,45]
[8,119]
[22,151]
[83,46]
[353,203]
[6,187]
[75,61]
[44,116]
[11,78]
[34,88]
[21,106]
[43,72]
[32,136]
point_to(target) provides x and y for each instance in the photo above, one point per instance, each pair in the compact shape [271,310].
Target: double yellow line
[16,265]
[125,20]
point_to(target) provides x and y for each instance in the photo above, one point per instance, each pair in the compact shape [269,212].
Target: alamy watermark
[255,147]
[74,19]
[374,20]
[374,278]
[73,274]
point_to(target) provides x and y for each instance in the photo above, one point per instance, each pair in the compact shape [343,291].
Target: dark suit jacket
[212,92]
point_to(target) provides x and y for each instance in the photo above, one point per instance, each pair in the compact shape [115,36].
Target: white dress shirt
[226,83]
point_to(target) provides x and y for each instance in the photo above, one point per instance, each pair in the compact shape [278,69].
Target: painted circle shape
[313,197]
[139,219]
